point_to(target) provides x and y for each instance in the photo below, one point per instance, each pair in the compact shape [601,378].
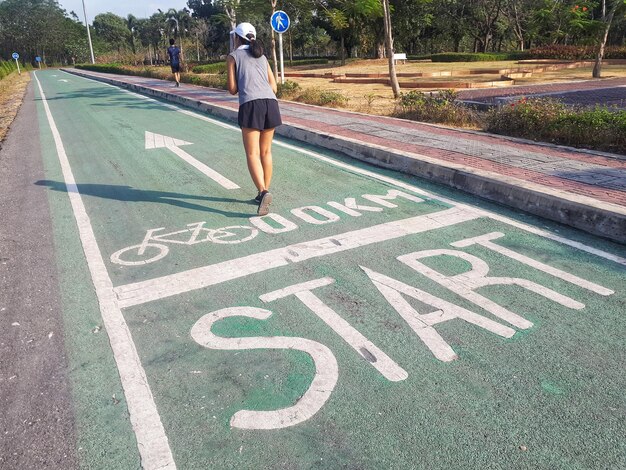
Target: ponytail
[256,47]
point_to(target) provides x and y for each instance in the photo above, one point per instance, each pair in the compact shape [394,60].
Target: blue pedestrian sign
[280,21]
[37,59]
[15,55]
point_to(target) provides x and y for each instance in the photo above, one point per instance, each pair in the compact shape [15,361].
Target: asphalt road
[37,419]
[372,321]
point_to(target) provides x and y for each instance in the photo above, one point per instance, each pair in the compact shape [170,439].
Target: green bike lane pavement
[334,333]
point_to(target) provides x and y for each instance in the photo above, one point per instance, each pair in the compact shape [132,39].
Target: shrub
[322,97]
[294,63]
[442,108]
[216,68]
[549,120]
[564,52]
[478,57]
[288,90]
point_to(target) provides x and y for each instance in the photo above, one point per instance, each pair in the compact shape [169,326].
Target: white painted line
[198,278]
[467,283]
[486,241]
[386,179]
[422,324]
[326,368]
[157,141]
[151,439]
[363,346]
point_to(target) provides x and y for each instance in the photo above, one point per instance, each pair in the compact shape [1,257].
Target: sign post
[38,60]
[16,56]
[280,23]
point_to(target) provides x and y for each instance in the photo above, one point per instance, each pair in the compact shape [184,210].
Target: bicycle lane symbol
[154,247]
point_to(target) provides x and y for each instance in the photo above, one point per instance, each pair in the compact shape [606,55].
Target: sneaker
[264,205]
[177,84]
[258,197]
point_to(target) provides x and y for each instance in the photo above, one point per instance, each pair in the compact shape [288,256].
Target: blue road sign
[280,21]
[15,55]
[37,59]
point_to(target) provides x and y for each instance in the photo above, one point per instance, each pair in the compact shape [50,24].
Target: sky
[139,8]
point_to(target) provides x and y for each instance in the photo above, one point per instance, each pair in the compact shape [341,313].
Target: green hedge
[215,68]
[563,52]
[308,62]
[479,57]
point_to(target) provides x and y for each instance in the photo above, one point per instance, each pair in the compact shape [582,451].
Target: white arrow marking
[63,80]
[157,141]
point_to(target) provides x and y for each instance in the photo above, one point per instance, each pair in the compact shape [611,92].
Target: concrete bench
[399,56]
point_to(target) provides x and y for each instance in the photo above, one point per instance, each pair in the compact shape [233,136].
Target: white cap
[243,29]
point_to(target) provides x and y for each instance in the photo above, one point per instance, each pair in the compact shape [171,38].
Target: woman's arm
[271,79]
[232,76]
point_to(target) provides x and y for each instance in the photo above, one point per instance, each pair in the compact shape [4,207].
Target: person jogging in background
[174,52]
[250,75]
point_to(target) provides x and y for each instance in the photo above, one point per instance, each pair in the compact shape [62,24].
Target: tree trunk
[274,56]
[343,50]
[273,4]
[395,86]
[597,68]
[380,50]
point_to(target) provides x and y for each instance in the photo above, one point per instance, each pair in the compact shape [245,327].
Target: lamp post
[93,59]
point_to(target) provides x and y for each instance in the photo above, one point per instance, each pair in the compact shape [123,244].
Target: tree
[609,8]
[395,86]
[112,29]
[131,24]
[520,15]
[484,17]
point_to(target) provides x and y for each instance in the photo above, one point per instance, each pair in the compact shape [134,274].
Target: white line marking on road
[151,439]
[157,141]
[486,241]
[198,278]
[326,368]
[467,283]
[422,324]
[363,346]
[520,225]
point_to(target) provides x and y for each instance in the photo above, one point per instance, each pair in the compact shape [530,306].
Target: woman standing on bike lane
[250,75]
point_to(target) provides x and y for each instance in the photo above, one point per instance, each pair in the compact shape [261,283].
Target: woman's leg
[251,143]
[265,143]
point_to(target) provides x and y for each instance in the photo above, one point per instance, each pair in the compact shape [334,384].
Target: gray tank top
[252,80]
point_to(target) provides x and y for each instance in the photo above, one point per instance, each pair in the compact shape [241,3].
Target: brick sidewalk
[589,186]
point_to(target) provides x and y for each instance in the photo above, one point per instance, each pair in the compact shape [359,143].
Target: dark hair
[172,42]
[256,47]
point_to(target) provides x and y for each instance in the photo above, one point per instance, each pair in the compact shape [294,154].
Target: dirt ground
[12,89]
[378,98]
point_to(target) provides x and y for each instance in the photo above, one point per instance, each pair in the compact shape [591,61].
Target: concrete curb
[584,213]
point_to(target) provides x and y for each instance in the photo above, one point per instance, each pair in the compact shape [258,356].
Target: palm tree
[131,24]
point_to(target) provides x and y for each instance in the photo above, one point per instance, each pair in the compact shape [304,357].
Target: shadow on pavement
[127,101]
[130,194]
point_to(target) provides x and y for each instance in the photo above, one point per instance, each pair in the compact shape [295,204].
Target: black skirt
[259,114]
